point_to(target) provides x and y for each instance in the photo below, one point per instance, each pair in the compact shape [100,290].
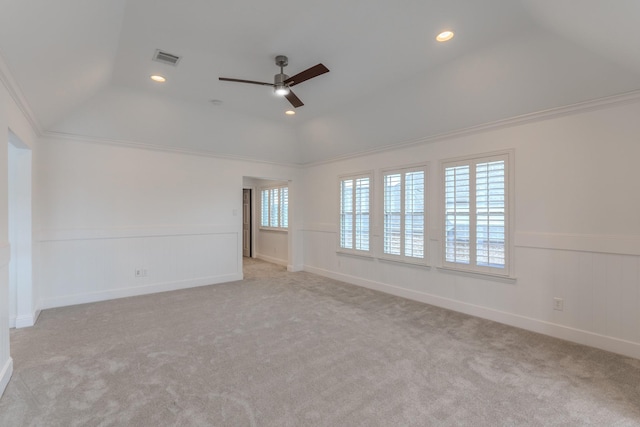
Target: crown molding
[580,107]
[18,97]
[153,147]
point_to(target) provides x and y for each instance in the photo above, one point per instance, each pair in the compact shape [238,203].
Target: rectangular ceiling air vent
[165,57]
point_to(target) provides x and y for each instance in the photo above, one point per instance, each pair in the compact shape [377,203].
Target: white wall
[577,233]
[270,245]
[104,211]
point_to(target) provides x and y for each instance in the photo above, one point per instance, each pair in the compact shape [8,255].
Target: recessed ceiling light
[290,112]
[445,36]
[157,78]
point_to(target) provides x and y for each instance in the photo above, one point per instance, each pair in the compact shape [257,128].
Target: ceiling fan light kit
[282,90]
[282,83]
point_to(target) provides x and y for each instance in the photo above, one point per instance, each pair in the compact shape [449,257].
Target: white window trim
[478,275]
[508,271]
[403,258]
[357,252]
[271,228]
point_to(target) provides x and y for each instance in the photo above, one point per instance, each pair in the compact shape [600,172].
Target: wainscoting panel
[600,291]
[80,270]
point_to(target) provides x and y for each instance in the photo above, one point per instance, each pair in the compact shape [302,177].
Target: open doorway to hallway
[266,224]
[247,220]
[22,311]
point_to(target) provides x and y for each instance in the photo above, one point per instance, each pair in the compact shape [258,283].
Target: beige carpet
[295,349]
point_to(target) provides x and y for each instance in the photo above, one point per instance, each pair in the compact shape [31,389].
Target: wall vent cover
[166,57]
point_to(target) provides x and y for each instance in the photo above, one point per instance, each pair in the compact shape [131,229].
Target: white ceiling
[83,67]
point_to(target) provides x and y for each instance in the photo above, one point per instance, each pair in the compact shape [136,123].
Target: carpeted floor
[295,349]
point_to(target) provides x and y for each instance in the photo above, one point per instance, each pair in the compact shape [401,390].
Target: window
[274,208]
[476,216]
[404,214]
[355,207]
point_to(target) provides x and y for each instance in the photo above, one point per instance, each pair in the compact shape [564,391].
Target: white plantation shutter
[414,214]
[264,214]
[274,207]
[284,207]
[457,201]
[355,193]
[393,214]
[475,216]
[404,213]
[361,231]
[490,211]
[346,214]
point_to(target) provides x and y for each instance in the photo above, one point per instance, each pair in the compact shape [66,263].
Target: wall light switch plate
[558,304]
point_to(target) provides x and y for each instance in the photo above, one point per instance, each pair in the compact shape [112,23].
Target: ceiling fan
[282,83]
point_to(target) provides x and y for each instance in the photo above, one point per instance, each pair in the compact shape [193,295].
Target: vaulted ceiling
[83,68]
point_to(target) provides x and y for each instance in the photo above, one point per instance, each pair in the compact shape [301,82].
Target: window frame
[352,250]
[472,161]
[279,215]
[403,257]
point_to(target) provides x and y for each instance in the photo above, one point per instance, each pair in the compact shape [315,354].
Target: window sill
[478,275]
[364,255]
[273,229]
[406,262]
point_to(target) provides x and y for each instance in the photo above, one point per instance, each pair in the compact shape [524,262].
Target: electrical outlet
[558,304]
[140,272]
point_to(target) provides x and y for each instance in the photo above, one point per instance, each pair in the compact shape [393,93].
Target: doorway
[21,296]
[269,221]
[246,223]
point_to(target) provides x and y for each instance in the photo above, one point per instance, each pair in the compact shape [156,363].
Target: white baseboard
[615,345]
[5,375]
[26,321]
[67,300]
[282,262]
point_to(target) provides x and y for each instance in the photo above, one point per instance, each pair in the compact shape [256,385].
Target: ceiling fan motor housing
[279,79]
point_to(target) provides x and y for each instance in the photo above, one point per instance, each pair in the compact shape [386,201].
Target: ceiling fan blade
[293,99]
[225,79]
[307,74]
